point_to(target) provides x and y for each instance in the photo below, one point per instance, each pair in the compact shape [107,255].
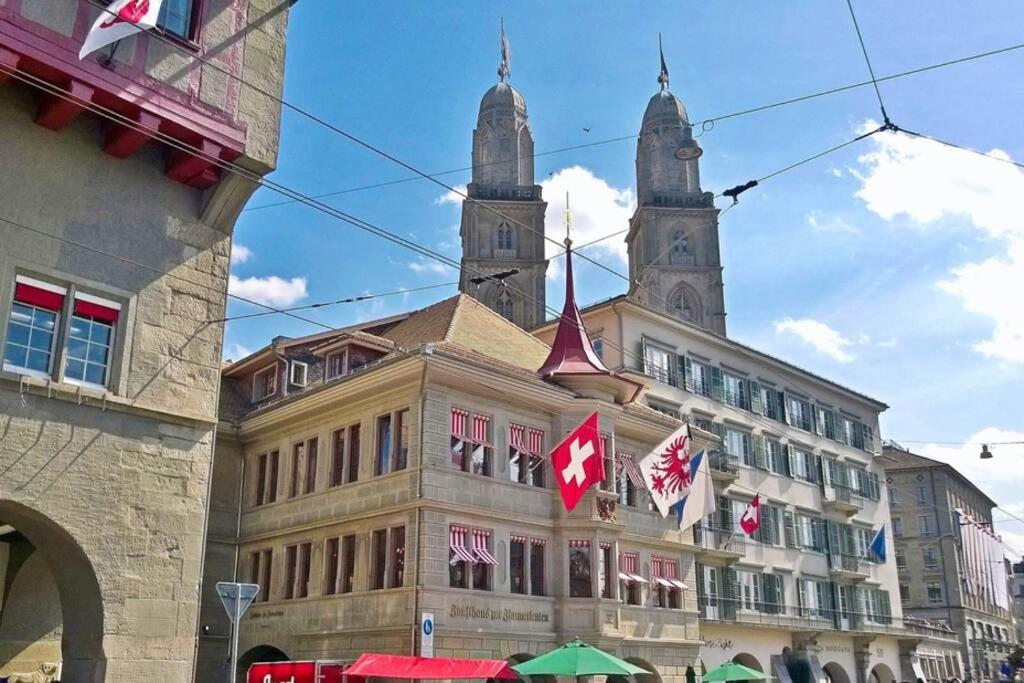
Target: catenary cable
[867,60]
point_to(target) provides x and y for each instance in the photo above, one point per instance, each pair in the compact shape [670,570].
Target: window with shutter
[760,452]
[730,593]
[756,404]
[790,529]
[717,384]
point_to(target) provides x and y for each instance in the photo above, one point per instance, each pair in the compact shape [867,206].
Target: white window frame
[297,365]
[272,369]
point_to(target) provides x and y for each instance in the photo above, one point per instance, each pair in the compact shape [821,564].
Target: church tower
[501,189]
[673,235]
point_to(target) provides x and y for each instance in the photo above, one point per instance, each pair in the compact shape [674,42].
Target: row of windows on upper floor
[700,377]
[724,593]
[471,565]
[846,545]
[336,364]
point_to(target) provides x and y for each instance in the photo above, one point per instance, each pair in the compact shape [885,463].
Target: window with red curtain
[32,326]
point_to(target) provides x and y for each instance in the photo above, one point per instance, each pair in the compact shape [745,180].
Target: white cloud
[928,182]
[825,223]
[889,343]
[598,209]
[240,253]
[425,265]
[272,290]
[236,352]
[993,289]
[819,335]
[450,197]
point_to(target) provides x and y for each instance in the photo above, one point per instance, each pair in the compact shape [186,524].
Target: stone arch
[260,653]
[686,303]
[881,673]
[78,591]
[749,660]
[652,677]
[835,673]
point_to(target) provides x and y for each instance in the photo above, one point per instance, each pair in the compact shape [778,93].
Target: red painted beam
[8,64]
[206,179]
[122,140]
[55,111]
[184,166]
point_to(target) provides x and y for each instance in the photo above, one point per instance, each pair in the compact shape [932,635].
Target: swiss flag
[750,520]
[578,462]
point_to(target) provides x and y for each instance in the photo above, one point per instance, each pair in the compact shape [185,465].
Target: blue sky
[894,266]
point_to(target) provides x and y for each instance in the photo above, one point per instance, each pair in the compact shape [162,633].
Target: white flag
[120,19]
[666,470]
[701,501]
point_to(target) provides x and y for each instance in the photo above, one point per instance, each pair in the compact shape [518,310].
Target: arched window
[503,305]
[680,251]
[684,303]
[504,237]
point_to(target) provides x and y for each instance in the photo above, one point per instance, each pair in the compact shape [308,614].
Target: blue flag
[701,500]
[877,546]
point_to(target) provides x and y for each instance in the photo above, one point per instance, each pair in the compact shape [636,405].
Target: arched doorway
[652,677]
[53,610]
[881,673]
[748,660]
[835,673]
[260,653]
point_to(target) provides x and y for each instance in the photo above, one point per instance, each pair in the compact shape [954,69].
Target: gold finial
[568,221]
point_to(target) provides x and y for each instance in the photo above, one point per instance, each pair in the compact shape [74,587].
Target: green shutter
[717,384]
[643,356]
[755,398]
[683,372]
[789,524]
[833,537]
[730,593]
[702,598]
[790,461]
[760,452]
[818,415]
[815,468]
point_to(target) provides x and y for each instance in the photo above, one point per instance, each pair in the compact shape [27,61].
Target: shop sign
[497,614]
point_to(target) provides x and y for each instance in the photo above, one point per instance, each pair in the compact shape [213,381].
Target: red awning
[432,668]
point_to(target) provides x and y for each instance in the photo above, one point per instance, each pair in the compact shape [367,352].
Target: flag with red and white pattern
[119,20]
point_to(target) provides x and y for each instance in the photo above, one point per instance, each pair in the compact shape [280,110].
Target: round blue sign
[428,626]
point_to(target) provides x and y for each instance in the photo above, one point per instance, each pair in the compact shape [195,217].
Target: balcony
[842,500]
[849,567]
[506,254]
[809,619]
[722,544]
[724,467]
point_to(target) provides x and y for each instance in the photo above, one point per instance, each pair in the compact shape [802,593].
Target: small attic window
[264,383]
[298,373]
[337,364]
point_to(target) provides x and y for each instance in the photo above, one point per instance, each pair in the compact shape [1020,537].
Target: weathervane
[663,76]
[506,55]
[568,222]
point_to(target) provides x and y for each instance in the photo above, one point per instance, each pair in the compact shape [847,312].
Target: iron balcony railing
[725,540]
[724,462]
[759,612]
[843,562]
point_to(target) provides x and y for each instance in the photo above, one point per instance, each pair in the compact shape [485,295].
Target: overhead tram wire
[365,225]
[867,60]
[702,123]
[355,139]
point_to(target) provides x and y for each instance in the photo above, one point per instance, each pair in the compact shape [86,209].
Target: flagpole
[108,61]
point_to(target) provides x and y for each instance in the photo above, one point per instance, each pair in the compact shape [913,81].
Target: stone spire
[663,76]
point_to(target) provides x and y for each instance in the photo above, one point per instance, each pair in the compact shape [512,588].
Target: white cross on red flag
[666,470]
[578,462]
[750,520]
[118,20]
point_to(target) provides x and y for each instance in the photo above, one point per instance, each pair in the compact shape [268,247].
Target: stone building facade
[114,253]
[434,445]
[924,495]
[502,225]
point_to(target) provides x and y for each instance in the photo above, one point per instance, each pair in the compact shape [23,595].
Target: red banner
[295,672]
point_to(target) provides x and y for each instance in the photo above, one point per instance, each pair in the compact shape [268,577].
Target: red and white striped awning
[536,442]
[579,544]
[625,463]
[517,436]
[457,543]
[515,538]
[539,541]
[628,568]
[481,539]
[481,426]
[672,573]
[460,418]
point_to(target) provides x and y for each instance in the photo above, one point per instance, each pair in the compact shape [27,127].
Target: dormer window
[298,373]
[337,364]
[264,383]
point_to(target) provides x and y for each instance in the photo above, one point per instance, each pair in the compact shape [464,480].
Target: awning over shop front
[430,668]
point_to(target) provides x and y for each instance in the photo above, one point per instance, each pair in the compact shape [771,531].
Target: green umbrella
[578,659]
[731,671]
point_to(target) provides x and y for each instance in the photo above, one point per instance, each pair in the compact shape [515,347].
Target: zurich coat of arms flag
[666,470]
[118,20]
